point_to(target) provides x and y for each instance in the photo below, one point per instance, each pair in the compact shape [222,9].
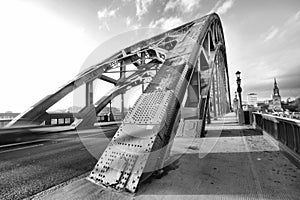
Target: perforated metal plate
[150,108]
[122,163]
[137,141]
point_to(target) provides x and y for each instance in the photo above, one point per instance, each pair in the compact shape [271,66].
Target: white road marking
[20,143]
[10,150]
[86,136]
[53,139]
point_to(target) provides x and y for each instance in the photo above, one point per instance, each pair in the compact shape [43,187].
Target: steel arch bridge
[184,78]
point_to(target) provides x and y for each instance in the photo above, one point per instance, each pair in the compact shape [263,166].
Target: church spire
[276,97]
[276,89]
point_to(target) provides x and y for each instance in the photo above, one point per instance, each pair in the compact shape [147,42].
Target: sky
[44,44]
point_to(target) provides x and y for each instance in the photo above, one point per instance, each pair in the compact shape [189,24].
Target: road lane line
[20,143]
[86,136]
[99,133]
[10,150]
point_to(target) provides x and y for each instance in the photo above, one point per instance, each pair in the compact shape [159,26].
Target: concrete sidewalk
[232,162]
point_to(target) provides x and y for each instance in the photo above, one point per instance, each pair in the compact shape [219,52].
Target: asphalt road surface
[29,168]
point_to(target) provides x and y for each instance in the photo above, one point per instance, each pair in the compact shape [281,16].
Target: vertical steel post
[294,138]
[142,63]
[214,95]
[122,77]
[222,91]
[218,90]
[89,93]
[199,87]
[208,114]
[109,113]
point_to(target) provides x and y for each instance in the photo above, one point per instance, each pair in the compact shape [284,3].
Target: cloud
[290,28]
[105,14]
[183,5]
[142,7]
[272,32]
[297,15]
[294,18]
[217,5]
[128,21]
[171,5]
[136,26]
[280,61]
[131,24]
[104,25]
[222,7]
[168,23]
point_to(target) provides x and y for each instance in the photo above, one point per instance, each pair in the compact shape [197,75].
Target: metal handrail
[285,130]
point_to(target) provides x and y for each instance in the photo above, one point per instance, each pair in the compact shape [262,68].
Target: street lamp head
[238,74]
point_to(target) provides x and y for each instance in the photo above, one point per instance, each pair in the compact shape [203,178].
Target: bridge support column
[89,93]
[142,63]
[220,86]
[122,77]
[218,91]
[223,87]
[199,87]
[110,116]
[214,97]
[208,114]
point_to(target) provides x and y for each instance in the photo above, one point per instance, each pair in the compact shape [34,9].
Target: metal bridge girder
[140,146]
[142,142]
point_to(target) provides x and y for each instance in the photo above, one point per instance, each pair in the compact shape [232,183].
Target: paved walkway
[232,162]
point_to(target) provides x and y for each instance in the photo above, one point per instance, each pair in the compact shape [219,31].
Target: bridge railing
[64,119]
[285,130]
[59,119]
[3,122]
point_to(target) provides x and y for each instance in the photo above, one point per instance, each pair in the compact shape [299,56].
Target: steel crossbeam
[140,146]
[188,64]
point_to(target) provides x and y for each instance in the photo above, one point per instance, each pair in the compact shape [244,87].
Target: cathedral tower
[276,98]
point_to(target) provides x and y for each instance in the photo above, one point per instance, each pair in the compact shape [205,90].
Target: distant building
[276,98]
[8,115]
[252,99]
[290,100]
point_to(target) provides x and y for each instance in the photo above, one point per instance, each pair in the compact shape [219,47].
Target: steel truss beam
[140,146]
[151,49]
[142,142]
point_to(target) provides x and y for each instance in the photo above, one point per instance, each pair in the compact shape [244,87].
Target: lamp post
[239,89]
[241,117]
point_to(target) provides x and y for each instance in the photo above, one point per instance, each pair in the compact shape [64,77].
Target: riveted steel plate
[150,108]
[122,163]
[140,144]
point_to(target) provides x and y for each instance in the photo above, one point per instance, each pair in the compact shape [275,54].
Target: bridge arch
[189,84]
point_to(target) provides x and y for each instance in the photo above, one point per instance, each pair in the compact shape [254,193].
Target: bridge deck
[232,162]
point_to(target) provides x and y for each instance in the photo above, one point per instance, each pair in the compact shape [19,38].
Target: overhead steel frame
[141,145]
[142,55]
[142,142]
